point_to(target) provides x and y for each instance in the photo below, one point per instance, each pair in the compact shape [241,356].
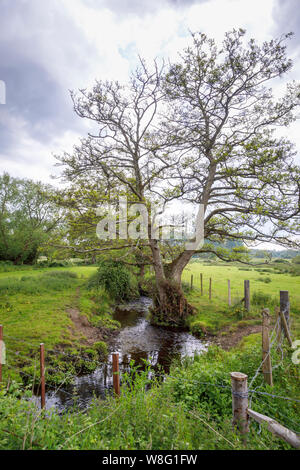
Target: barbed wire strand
[206,383]
[47,384]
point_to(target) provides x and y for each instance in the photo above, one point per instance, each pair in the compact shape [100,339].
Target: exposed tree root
[175,308]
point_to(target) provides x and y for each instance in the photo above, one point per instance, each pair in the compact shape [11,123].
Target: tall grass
[50,281]
[190,410]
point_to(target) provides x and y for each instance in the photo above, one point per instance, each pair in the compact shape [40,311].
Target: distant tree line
[28,218]
[275,254]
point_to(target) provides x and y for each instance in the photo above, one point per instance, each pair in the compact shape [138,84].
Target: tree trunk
[158,269]
[170,306]
[177,266]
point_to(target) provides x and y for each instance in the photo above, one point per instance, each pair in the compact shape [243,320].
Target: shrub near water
[116,279]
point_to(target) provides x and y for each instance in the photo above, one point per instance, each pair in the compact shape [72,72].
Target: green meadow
[266,282]
[33,303]
[34,309]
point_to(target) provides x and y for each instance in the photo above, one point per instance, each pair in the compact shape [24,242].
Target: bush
[295,270]
[186,287]
[6,263]
[262,299]
[266,280]
[58,264]
[148,286]
[77,261]
[116,279]
[239,312]
[61,274]
[42,264]
[101,348]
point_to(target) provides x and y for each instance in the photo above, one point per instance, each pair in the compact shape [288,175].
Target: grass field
[34,308]
[38,313]
[82,271]
[215,314]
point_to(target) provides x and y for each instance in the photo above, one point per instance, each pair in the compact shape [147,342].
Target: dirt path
[82,328]
[232,339]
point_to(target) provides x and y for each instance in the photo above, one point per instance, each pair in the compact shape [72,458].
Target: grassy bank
[190,410]
[36,306]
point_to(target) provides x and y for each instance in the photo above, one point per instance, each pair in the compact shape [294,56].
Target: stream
[137,340]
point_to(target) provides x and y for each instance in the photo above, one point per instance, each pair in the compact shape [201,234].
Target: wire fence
[35,361]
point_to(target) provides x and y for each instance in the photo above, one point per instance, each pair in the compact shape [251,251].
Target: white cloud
[69,43]
[29,158]
[218,16]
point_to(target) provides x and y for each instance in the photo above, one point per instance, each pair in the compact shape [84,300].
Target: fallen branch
[277,429]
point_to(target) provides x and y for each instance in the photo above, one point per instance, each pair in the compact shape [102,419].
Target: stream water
[137,340]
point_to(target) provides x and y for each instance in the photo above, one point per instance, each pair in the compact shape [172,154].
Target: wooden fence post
[266,354]
[201,282]
[240,401]
[247,295]
[42,372]
[285,328]
[229,293]
[1,339]
[210,288]
[285,306]
[116,374]
[278,334]
[192,281]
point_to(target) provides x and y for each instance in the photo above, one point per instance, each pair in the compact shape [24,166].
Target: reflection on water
[138,341]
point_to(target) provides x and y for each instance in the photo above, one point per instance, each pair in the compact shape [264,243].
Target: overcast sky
[48,48]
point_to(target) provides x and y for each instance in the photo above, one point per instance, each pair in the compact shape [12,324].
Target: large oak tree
[199,130]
